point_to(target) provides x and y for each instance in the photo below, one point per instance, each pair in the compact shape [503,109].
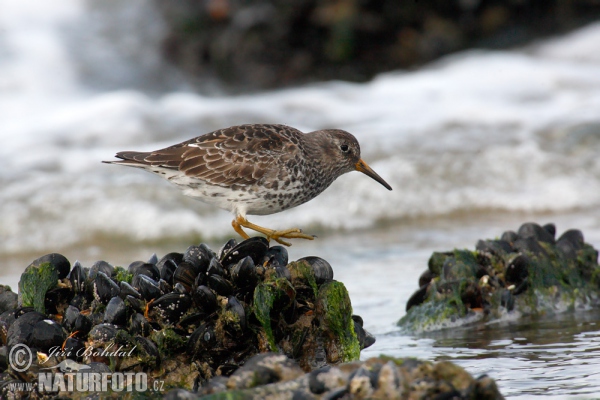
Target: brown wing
[239,155]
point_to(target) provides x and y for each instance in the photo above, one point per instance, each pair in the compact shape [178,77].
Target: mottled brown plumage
[256,169]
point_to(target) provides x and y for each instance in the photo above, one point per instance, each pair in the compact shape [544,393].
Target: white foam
[480,130]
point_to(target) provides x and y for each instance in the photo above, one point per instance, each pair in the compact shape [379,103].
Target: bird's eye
[344,148]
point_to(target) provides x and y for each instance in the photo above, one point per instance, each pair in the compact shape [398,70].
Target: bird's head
[343,148]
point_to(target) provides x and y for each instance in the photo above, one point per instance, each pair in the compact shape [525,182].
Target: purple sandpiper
[256,169]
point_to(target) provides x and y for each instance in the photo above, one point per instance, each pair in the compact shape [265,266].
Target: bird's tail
[131,159]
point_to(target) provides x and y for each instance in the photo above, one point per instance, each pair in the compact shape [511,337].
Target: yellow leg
[293,233]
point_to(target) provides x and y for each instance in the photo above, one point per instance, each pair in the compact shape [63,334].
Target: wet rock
[525,271]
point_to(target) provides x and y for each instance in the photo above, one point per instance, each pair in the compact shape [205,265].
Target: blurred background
[472,110]
[481,114]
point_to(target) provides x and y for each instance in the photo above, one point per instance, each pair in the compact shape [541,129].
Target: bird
[256,169]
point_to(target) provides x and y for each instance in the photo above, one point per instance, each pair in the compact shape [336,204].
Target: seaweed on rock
[528,272]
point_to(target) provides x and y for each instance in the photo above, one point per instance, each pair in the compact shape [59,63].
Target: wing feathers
[239,155]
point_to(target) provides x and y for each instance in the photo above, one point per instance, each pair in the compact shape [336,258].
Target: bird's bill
[365,169]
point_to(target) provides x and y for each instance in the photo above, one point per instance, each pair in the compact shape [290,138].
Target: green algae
[275,294]
[301,271]
[121,275]
[35,282]
[335,314]
[168,341]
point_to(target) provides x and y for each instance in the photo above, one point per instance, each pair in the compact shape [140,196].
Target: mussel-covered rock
[187,316]
[484,284]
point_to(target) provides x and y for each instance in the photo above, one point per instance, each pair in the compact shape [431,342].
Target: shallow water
[473,145]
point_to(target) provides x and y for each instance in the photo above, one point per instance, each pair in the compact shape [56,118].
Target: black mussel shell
[198,256]
[417,297]
[82,325]
[276,256]
[509,236]
[148,270]
[231,243]
[191,321]
[171,307]
[205,299]
[179,288]
[138,325]
[81,301]
[164,286]
[153,259]
[186,274]
[426,277]
[570,242]
[147,287]
[69,317]
[176,258]
[215,267]
[255,247]
[534,231]
[101,266]
[220,285]
[103,333]
[128,290]
[201,340]
[244,273]
[321,268]
[531,245]
[167,270]
[57,299]
[116,312]
[21,331]
[57,261]
[74,321]
[134,303]
[517,270]
[77,277]
[149,349]
[200,280]
[283,272]
[47,334]
[497,247]
[550,228]
[74,348]
[365,339]
[9,300]
[104,288]
[236,307]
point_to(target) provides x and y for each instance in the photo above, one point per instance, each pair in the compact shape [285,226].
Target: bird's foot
[278,236]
